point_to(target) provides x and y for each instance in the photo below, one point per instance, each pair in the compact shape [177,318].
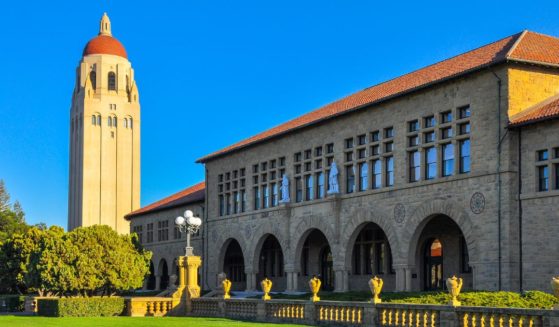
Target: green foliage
[529,299]
[12,217]
[86,261]
[81,307]
[12,303]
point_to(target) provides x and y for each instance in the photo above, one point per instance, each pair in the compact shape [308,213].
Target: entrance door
[434,265]
[327,269]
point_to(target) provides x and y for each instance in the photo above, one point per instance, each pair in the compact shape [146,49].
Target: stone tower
[104,136]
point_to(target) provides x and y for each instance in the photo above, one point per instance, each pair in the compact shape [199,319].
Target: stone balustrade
[148,306]
[335,313]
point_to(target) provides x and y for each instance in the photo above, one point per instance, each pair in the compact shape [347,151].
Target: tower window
[99,120]
[125,122]
[112,81]
[110,121]
[93,120]
[114,121]
[93,79]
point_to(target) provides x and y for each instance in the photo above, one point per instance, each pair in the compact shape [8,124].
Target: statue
[226,284]
[266,288]
[454,286]
[285,189]
[333,187]
[220,278]
[314,284]
[172,282]
[375,284]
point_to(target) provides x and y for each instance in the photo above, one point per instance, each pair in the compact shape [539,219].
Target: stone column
[251,280]
[408,279]
[157,282]
[341,280]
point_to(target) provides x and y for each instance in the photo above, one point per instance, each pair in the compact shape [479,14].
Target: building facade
[104,136]
[452,169]
[155,226]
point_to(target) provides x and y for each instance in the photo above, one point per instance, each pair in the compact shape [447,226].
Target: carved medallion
[399,213]
[477,203]
[248,232]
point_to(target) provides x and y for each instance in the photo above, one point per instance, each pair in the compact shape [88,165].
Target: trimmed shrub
[12,303]
[81,307]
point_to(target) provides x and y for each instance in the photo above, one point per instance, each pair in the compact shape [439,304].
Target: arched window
[125,122]
[131,123]
[109,121]
[112,81]
[99,120]
[93,120]
[114,121]
[93,79]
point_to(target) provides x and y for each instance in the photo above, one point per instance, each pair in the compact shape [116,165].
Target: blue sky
[214,72]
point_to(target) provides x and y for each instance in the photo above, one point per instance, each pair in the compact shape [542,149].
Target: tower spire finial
[105,25]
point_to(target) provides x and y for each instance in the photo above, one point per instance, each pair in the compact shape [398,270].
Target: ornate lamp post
[189,225]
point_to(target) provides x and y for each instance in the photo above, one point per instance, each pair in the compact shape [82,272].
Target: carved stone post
[188,288]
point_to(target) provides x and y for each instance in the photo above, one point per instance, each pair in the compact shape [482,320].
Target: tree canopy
[86,261]
[12,217]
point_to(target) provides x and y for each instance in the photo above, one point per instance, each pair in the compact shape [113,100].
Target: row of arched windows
[111,121]
[111,78]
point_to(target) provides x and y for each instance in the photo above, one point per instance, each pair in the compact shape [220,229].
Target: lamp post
[189,225]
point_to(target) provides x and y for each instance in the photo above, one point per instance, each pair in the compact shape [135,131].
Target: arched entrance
[234,265]
[371,256]
[316,260]
[441,252]
[163,275]
[151,278]
[433,265]
[270,263]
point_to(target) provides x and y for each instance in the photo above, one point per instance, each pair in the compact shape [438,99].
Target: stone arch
[360,218]
[303,229]
[257,247]
[223,251]
[430,209]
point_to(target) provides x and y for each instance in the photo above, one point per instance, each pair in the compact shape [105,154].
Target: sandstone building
[104,136]
[452,169]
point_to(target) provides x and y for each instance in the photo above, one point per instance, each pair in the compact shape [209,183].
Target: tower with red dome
[104,160]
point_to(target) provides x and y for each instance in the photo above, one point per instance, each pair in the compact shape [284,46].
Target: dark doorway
[270,262]
[327,268]
[151,277]
[434,265]
[164,275]
[234,265]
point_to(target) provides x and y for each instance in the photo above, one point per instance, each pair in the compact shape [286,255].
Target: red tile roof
[195,193]
[526,46]
[104,44]
[547,109]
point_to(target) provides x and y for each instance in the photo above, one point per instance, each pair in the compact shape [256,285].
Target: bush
[81,307]
[12,303]
[529,299]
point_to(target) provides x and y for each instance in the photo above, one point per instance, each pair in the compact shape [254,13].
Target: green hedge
[12,303]
[529,299]
[81,307]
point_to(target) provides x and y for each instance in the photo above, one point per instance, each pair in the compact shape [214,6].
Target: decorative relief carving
[248,232]
[477,203]
[399,213]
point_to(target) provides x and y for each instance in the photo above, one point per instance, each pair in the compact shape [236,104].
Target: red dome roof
[104,44]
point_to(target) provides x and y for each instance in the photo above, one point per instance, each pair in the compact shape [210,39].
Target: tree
[86,261]
[12,217]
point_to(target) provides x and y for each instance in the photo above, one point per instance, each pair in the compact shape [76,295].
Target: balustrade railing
[281,310]
[334,313]
[340,312]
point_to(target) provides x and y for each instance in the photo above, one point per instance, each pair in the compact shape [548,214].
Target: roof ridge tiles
[517,47]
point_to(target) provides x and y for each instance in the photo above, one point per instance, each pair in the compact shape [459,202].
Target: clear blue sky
[214,72]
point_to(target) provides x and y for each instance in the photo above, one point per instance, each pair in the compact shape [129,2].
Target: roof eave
[385,99]
[162,208]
